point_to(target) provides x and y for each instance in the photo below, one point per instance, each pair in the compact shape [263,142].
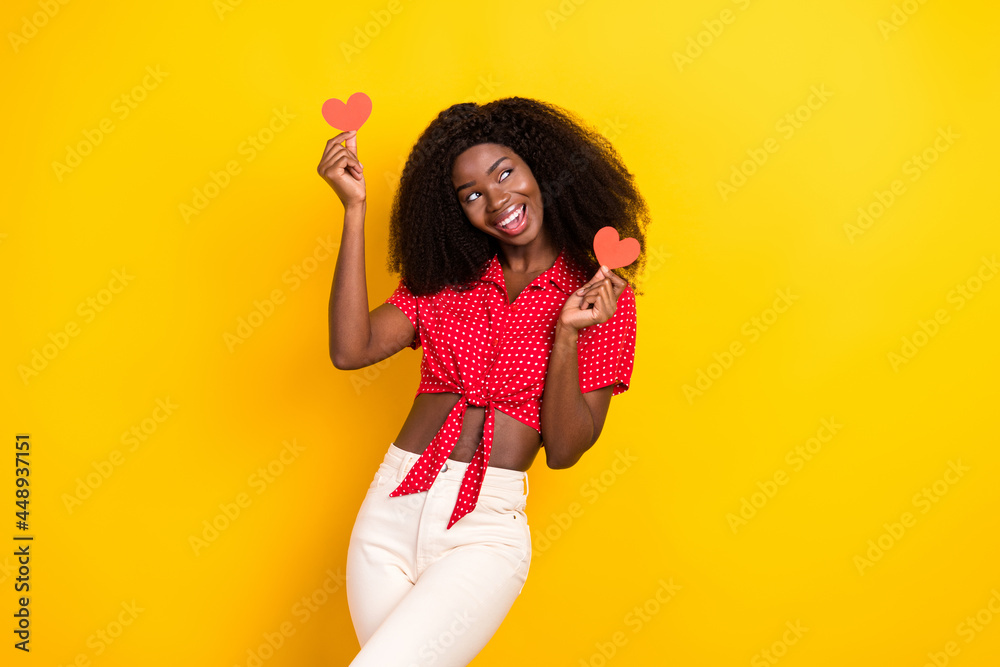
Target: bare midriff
[515,444]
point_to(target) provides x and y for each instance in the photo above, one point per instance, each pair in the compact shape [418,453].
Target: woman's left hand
[594,302]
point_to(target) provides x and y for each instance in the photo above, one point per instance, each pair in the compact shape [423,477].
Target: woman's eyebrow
[488,172]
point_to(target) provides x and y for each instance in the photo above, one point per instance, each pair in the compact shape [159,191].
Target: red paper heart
[350,116]
[612,252]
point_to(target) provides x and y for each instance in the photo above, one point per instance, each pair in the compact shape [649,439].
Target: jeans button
[444,468]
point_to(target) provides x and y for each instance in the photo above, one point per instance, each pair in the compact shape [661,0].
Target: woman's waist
[515,454]
[518,410]
[514,443]
[510,394]
[495,479]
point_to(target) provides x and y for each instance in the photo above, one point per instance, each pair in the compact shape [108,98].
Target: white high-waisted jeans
[422,595]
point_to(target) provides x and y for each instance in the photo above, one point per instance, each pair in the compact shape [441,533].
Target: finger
[332,153]
[610,285]
[603,296]
[597,276]
[341,160]
[591,300]
[590,287]
[336,141]
[611,275]
[352,148]
[616,279]
[617,284]
[605,293]
[597,313]
[603,309]
[352,142]
[340,138]
[354,170]
[611,300]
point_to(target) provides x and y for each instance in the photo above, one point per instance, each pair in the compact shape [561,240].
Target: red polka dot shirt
[495,354]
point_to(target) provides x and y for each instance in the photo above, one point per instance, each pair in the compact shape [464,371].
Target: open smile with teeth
[513,220]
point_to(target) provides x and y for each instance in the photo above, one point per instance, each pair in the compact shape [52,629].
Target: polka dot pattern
[495,354]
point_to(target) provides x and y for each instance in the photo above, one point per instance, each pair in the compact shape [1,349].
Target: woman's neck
[534,257]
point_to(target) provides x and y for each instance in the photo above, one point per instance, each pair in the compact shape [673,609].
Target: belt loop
[405,464]
[526,484]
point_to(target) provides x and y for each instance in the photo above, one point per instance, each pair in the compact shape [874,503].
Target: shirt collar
[563,274]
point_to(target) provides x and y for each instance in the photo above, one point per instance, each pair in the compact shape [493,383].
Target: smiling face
[499,195]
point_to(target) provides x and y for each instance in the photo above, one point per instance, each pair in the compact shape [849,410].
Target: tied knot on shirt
[476,398]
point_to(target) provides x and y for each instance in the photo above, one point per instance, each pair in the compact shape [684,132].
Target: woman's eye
[469,198]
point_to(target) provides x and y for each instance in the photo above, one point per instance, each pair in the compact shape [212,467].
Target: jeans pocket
[383,477]
[507,514]
[496,502]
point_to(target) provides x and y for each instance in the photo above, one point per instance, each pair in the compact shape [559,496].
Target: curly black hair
[584,185]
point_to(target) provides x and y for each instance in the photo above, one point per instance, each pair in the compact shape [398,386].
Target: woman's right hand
[341,169]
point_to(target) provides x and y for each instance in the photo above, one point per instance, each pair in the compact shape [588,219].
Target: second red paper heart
[613,252]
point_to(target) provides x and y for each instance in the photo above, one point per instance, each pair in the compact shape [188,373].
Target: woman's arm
[358,338]
[350,323]
[572,421]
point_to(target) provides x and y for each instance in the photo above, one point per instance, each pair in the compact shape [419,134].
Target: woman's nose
[497,199]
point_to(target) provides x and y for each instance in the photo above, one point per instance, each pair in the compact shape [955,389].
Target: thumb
[352,143]
[600,275]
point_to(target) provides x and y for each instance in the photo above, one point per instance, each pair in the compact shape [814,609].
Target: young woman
[525,340]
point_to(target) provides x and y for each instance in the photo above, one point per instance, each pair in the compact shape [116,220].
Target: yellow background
[682,128]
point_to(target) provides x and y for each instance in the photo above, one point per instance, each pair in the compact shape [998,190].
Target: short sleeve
[403,299]
[606,351]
